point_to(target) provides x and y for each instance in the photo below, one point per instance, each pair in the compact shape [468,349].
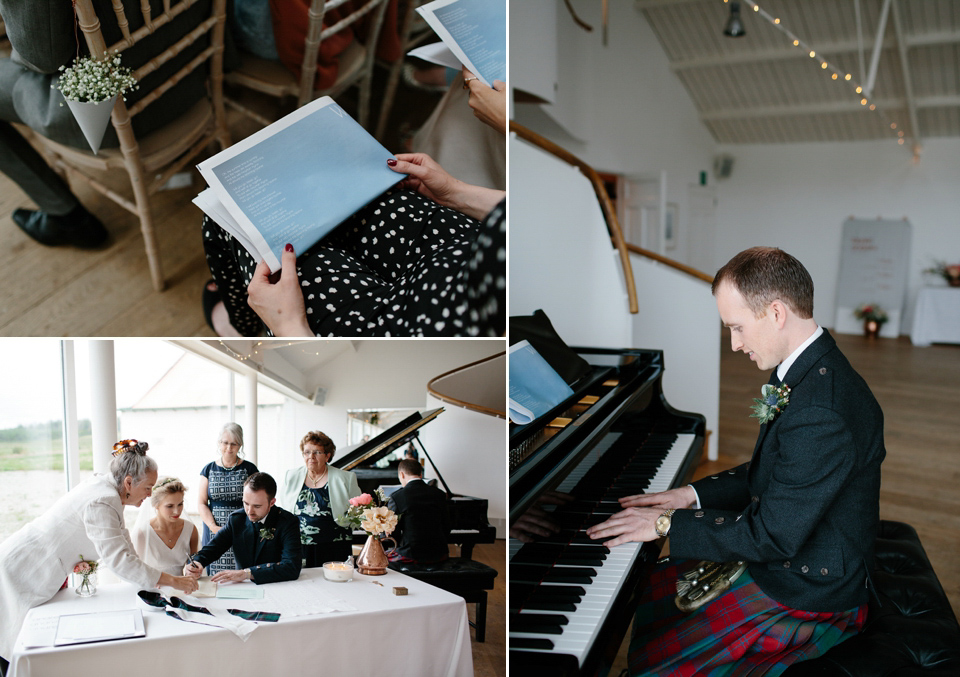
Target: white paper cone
[93,119]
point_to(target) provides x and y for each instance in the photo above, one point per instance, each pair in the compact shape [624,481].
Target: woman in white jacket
[87,522]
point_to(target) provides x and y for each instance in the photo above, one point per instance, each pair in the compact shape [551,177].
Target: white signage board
[874,262]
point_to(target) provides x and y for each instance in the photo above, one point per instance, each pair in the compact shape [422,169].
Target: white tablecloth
[422,634]
[937,316]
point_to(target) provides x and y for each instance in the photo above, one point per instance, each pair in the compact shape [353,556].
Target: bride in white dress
[165,540]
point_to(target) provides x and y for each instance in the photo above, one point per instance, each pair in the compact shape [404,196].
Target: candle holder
[338,572]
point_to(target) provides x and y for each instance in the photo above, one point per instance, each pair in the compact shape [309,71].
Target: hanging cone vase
[93,119]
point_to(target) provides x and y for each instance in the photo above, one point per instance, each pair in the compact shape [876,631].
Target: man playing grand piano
[803,513]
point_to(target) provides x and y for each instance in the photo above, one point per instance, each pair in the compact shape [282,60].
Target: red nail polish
[391,162]
[288,247]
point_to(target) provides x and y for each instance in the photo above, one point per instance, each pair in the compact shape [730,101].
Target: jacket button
[698,513]
[786,565]
[823,370]
[731,472]
[714,477]
[755,499]
[805,569]
[719,520]
[824,572]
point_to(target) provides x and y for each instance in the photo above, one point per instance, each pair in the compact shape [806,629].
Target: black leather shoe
[79,228]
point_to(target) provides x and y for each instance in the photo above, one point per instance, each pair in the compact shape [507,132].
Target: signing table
[423,633]
[937,316]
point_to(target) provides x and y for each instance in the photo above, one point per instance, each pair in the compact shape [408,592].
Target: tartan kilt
[742,632]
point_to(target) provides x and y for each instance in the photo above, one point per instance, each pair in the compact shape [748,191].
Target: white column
[71,435]
[250,425]
[103,403]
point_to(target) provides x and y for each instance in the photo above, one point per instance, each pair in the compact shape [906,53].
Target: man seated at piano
[265,539]
[802,514]
[424,525]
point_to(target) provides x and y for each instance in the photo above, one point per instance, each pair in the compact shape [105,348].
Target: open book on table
[474,30]
[294,181]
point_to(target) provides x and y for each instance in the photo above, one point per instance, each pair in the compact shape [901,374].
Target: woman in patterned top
[221,490]
[318,494]
[427,258]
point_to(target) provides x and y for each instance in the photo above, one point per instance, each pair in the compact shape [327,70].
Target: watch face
[663,523]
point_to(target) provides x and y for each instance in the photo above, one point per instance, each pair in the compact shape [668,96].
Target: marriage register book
[294,181]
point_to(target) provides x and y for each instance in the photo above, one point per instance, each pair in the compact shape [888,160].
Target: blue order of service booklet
[535,387]
[476,33]
[294,181]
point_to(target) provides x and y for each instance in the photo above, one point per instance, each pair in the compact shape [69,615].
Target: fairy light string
[835,73]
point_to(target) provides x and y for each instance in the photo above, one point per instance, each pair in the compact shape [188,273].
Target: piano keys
[571,598]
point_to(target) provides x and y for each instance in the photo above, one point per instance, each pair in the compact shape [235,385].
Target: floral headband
[124,446]
[164,482]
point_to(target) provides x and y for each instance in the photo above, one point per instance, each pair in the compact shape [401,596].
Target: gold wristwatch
[662,525]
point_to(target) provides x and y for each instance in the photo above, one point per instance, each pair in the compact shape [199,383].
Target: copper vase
[372,560]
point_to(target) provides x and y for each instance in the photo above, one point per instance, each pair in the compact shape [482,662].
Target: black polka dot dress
[401,266]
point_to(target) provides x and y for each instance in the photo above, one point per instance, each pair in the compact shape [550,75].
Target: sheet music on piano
[572,599]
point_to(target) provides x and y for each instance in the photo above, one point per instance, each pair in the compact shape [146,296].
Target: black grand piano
[468,515]
[571,599]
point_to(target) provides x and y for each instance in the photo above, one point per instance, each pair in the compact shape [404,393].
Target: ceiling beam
[787,52]
[877,47]
[907,79]
[851,106]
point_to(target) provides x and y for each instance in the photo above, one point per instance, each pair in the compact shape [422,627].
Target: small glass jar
[338,572]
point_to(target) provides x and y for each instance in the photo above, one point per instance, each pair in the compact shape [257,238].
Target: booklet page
[475,31]
[535,387]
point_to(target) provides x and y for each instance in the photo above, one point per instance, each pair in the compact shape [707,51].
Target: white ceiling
[760,88]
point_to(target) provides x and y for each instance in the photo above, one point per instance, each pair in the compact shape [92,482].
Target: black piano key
[547,605]
[541,624]
[530,643]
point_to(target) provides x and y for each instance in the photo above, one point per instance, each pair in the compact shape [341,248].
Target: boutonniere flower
[267,534]
[772,400]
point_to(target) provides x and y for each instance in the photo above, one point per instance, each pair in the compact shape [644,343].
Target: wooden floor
[63,291]
[490,656]
[919,391]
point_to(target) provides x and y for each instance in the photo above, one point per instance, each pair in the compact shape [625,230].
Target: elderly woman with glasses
[318,494]
[221,490]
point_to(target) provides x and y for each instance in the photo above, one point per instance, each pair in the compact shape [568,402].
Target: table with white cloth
[936,318]
[423,633]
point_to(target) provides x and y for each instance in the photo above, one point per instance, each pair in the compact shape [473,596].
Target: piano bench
[458,575]
[915,632]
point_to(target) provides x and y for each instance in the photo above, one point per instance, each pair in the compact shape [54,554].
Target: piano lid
[389,440]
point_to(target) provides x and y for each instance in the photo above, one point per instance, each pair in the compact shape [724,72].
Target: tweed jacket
[44,38]
[804,511]
[342,485]
[277,557]
[424,524]
[35,561]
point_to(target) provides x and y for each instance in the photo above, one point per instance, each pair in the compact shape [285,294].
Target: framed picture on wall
[670,226]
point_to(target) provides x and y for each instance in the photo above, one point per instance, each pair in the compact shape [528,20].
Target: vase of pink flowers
[86,572]
[370,513]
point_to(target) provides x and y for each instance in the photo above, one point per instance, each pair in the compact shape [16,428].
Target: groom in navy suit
[803,513]
[264,536]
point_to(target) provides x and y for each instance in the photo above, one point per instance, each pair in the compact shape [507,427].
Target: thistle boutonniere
[267,534]
[772,400]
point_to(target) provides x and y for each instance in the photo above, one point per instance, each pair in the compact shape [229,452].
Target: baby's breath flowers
[92,81]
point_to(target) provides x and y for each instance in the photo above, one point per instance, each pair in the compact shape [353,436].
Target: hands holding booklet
[315,198]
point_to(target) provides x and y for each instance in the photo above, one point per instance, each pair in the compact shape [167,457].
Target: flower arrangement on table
[948,271]
[370,513]
[871,312]
[88,80]
[85,569]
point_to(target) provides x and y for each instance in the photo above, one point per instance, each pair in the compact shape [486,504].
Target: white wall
[797,197]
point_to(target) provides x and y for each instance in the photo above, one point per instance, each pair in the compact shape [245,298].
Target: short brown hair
[321,440]
[261,481]
[765,274]
[410,467]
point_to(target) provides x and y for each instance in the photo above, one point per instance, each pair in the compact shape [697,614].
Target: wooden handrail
[613,226]
[676,265]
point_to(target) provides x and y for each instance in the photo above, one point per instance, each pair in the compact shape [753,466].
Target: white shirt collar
[784,366]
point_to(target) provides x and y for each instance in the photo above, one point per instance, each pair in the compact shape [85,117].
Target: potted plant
[91,87]
[873,317]
[948,271]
